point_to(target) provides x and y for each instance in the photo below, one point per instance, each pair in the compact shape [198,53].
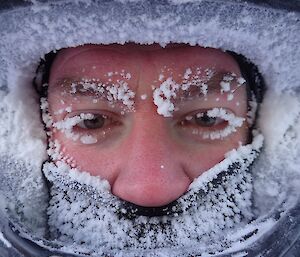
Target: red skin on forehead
[131,159]
[145,64]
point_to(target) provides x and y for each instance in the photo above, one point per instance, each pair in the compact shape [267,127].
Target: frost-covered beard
[83,211]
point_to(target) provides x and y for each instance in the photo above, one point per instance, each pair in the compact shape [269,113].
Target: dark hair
[255,84]
[249,71]
[41,80]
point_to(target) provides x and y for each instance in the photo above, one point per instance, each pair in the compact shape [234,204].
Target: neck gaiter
[83,212]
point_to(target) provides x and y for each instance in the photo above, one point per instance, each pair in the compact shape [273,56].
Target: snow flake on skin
[54,150]
[225,85]
[67,125]
[161,77]
[68,109]
[122,73]
[144,96]
[115,89]
[112,92]
[233,123]
[88,139]
[187,73]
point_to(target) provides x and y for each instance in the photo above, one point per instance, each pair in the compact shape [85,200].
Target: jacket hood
[266,32]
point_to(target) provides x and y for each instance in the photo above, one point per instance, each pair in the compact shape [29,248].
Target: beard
[83,212]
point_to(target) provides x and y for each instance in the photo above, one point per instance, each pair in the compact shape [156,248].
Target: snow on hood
[268,37]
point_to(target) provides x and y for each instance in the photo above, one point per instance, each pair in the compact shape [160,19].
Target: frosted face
[147,119]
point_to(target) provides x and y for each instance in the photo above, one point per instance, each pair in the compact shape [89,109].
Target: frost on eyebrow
[168,89]
[233,123]
[226,84]
[112,92]
[163,95]
[197,81]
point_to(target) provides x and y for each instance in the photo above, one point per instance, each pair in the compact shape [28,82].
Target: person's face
[149,152]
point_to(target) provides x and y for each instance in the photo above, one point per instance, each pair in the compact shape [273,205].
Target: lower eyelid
[89,136]
[216,132]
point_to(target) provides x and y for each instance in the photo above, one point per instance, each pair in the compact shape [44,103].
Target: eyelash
[100,118]
[208,124]
[224,123]
[194,119]
[76,127]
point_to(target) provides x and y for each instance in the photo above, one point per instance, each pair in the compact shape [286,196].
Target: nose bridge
[150,133]
[151,175]
[150,171]
[149,146]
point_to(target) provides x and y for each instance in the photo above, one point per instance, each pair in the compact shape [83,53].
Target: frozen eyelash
[233,123]
[66,126]
[70,122]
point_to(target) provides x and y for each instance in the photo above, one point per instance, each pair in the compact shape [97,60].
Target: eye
[210,124]
[203,119]
[95,121]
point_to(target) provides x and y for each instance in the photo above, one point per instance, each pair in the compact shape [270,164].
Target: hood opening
[252,30]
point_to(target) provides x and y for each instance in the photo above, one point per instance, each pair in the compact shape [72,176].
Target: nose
[151,171]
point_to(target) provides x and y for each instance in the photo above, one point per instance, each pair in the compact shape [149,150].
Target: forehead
[143,63]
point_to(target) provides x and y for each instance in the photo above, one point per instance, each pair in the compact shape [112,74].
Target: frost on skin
[225,85]
[88,139]
[54,150]
[168,89]
[163,95]
[144,97]
[111,92]
[57,153]
[63,110]
[66,126]
[187,73]
[190,79]
[233,123]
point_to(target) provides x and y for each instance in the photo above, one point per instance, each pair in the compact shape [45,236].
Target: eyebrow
[213,86]
[66,84]
[99,91]
[110,97]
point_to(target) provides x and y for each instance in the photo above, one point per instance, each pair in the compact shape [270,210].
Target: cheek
[202,157]
[91,159]
[107,162]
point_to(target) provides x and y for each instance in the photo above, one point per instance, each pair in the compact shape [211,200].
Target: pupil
[97,122]
[205,120]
